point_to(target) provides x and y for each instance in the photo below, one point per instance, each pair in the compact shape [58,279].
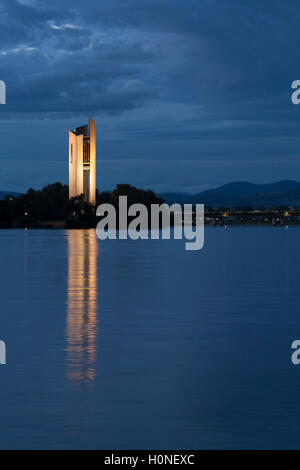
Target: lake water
[141,344]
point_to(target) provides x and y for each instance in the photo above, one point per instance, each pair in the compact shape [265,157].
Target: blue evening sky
[186,94]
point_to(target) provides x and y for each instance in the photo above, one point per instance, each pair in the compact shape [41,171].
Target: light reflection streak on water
[82,305]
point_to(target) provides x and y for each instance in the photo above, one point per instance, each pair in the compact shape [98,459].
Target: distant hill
[241,193]
[282,193]
[3,194]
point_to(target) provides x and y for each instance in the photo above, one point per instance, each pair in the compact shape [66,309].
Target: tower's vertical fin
[79,142]
[92,127]
[72,165]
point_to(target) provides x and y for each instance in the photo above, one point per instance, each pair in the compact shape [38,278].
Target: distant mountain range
[282,193]
[3,194]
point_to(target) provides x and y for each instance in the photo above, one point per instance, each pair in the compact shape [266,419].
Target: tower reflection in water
[82,304]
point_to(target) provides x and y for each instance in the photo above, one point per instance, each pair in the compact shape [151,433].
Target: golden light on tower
[82,162]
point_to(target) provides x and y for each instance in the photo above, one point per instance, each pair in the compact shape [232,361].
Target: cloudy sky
[186,94]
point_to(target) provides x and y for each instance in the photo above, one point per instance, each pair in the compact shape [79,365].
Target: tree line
[51,205]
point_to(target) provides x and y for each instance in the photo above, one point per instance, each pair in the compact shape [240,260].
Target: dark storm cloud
[72,57]
[56,62]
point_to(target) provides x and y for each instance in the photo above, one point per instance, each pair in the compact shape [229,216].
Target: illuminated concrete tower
[82,162]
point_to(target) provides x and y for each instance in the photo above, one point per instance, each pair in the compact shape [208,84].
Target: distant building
[82,162]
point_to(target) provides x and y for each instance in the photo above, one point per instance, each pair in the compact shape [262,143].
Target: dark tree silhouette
[52,204]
